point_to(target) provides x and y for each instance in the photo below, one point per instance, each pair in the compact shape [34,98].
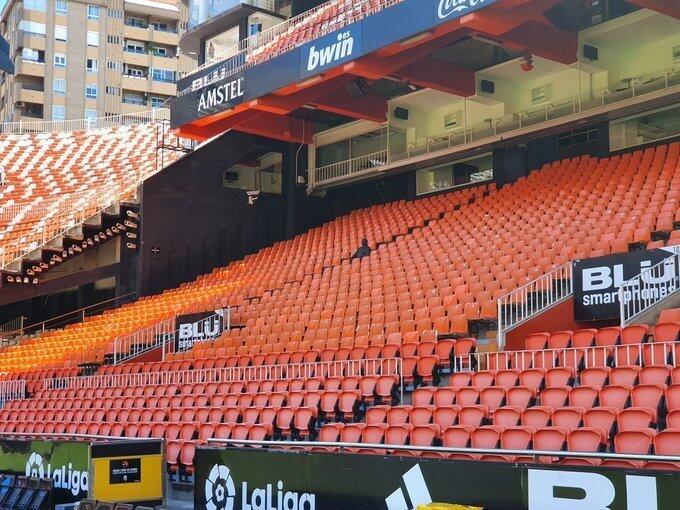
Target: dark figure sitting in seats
[363,250]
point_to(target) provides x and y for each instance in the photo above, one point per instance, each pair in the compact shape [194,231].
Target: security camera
[252,196]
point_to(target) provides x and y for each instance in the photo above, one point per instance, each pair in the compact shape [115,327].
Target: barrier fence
[533,298]
[363,367]
[646,290]
[652,353]
[12,390]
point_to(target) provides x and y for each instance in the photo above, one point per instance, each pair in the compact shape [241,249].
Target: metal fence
[361,367]
[533,298]
[12,390]
[652,353]
[144,340]
[58,126]
[355,166]
[646,290]
[472,453]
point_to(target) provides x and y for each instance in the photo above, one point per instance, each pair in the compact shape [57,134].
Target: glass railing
[574,106]
[139,102]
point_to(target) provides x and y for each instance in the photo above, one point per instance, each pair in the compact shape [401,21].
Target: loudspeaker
[401,113]
[231,176]
[590,52]
[357,88]
[488,86]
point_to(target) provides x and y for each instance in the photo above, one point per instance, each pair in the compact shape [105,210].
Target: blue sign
[331,50]
[452,9]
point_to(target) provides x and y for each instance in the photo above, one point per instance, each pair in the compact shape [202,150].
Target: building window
[134,72]
[163,27]
[91,91]
[458,173]
[62,7]
[59,86]
[157,102]
[114,66]
[36,5]
[60,33]
[113,39]
[643,128]
[31,55]
[92,38]
[59,60]
[58,112]
[90,117]
[160,52]
[93,12]
[32,27]
[135,22]
[134,47]
[164,75]
[92,65]
[112,91]
[131,98]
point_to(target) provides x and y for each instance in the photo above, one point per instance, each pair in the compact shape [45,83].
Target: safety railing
[284,37]
[58,126]
[569,106]
[473,453]
[651,353]
[12,390]
[12,327]
[78,315]
[363,367]
[651,287]
[533,298]
[355,166]
[147,339]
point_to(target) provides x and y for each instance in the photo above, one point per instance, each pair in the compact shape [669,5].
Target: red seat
[446,416]
[537,417]
[608,336]
[583,396]
[583,337]
[601,417]
[536,341]
[615,396]
[647,395]
[423,396]
[633,418]
[634,334]
[587,439]
[508,416]
[638,441]
[667,332]
[555,397]
[626,376]
[655,374]
[493,397]
[569,418]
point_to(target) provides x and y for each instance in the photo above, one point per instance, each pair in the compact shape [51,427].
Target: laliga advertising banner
[597,281]
[65,462]
[197,327]
[252,479]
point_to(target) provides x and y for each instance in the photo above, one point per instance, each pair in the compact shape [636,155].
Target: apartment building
[93,58]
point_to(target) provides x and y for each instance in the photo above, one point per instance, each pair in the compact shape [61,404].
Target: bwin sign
[551,490]
[342,48]
[449,7]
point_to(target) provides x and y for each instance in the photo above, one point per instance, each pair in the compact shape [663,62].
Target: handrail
[571,106]
[144,340]
[597,356]
[250,51]
[646,290]
[366,367]
[12,390]
[82,436]
[42,326]
[354,166]
[12,326]
[57,126]
[444,449]
[525,302]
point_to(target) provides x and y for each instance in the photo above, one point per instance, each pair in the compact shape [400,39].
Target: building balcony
[29,68]
[29,94]
[163,88]
[164,62]
[136,58]
[133,106]
[134,83]
[28,40]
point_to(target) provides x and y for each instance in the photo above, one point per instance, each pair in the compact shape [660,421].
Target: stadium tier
[54,181]
[438,263]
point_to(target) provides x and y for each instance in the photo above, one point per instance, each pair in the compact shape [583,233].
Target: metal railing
[284,37]
[13,327]
[651,287]
[144,340]
[58,126]
[533,298]
[363,367]
[78,315]
[355,166]
[575,105]
[651,353]
[12,390]
[473,452]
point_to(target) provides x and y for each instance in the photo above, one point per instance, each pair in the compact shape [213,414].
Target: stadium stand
[568,210]
[439,262]
[54,181]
